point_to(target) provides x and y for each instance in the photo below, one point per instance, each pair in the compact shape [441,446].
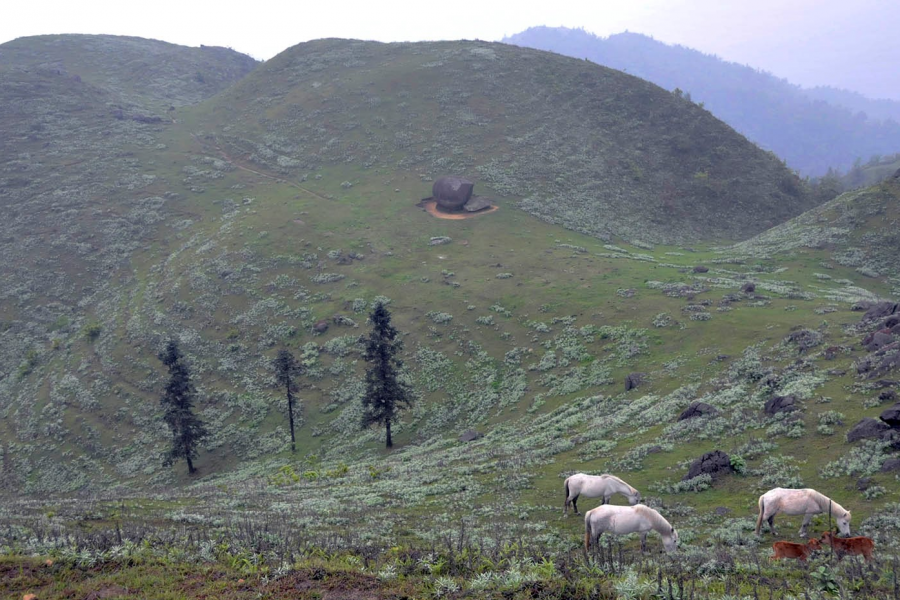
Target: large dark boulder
[632,380]
[866,429]
[477,203]
[713,463]
[701,269]
[320,326]
[862,305]
[878,340]
[778,404]
[748,288]
[452,192]
[891,464]
[470,435]
[698,409]
[891,416]
[880,311]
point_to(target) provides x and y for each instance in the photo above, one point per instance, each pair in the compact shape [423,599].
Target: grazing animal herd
[638,518]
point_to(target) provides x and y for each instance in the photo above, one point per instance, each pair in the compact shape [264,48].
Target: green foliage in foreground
[262,565]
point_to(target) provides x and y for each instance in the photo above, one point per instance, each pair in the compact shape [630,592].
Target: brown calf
[792,550]
[854,545]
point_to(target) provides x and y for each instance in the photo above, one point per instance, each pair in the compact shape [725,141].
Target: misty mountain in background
[807,128]
[874,109]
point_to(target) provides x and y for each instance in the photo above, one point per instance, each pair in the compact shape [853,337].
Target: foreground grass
[398,574]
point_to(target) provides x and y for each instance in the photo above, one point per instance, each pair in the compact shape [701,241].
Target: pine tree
[287,370]
[187,430]
[386,394]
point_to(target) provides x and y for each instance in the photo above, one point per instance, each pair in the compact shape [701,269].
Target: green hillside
[238,224]
[858,229]
[573,143]
[814,130]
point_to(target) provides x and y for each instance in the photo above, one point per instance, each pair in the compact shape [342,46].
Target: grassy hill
[135,72]
[858,229]
[812,130]
[238,224]
[572,143]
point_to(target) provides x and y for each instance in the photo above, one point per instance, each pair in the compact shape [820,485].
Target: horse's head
[670,542]
[814,544]
[843,523]
[635,498]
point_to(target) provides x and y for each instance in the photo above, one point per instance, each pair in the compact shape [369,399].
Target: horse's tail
[759,519]
[566,502]
[587,535]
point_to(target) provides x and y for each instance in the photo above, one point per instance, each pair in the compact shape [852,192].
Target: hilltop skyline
[808,42]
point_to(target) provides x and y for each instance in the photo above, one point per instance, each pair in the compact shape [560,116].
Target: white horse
[593,486]
[807,502]
[621,520]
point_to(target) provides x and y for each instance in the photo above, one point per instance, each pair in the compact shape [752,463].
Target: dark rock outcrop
[633,380]
[866,429]
[452,192]
[778,404]
[476,203]
[320,326]
[891,416]
[880,311]
[887,396]
[748,288]
[698,409]
[891,464]
[701,269]
[470,435]
[878,340]
[715,464]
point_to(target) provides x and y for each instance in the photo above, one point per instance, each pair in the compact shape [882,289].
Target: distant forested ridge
[811,129]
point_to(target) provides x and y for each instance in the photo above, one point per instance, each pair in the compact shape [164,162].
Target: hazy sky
[846,43]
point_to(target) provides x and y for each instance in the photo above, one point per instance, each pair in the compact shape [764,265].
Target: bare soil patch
[432,209]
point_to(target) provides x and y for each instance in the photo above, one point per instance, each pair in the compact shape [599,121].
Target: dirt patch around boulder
[432,209]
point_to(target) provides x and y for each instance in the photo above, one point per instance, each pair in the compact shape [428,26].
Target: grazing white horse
[621,520]
[594,486]
[804,501]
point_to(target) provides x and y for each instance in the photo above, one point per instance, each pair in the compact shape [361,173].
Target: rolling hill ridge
[571,328]
[813,130]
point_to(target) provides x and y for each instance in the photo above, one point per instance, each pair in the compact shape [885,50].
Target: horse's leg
[643,542]
[575,503]
[605,500]
[771,521]
[803,526]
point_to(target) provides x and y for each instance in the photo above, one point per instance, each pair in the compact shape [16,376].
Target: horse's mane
[822,500]
[619,479]
[658,521]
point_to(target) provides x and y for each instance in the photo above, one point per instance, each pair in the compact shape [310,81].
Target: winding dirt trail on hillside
[238,165]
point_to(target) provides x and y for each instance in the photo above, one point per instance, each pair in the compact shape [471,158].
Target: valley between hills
[651,288]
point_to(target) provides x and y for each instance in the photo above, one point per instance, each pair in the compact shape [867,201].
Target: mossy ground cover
[513,326]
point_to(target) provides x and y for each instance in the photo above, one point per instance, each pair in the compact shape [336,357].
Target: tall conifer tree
[287,370]
[386,394]
[187,430]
